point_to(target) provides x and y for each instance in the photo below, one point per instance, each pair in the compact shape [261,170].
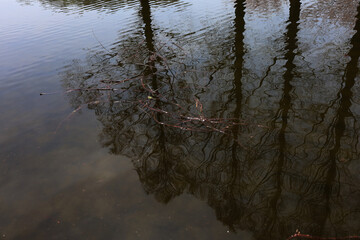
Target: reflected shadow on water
[268,139]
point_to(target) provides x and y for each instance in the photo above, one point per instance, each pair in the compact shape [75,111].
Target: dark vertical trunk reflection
[342,113]
[238,66]
[150,69]
[146,16]
[160,176]
[239,54]
[284,108]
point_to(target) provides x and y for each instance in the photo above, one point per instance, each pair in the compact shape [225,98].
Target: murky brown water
[179,119]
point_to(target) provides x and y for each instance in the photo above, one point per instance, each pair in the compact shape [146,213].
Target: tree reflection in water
[274,184]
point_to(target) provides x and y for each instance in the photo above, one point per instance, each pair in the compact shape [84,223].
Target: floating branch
[299,235]
[156,85]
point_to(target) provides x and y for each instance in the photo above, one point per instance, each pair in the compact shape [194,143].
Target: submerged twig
[308,236]
[149,81]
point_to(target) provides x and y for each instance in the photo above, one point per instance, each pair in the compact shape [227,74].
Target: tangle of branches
[158,95]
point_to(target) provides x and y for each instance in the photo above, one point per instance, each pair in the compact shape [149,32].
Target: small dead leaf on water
[198,104]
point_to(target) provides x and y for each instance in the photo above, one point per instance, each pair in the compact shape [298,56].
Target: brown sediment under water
[179,119]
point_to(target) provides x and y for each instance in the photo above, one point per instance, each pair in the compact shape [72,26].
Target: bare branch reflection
[259,178]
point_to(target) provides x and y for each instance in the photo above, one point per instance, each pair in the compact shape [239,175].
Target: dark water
[179,119]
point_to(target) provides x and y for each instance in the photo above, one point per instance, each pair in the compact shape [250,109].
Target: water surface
[177,119]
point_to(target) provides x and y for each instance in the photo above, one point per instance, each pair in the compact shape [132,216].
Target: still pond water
[179,119]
